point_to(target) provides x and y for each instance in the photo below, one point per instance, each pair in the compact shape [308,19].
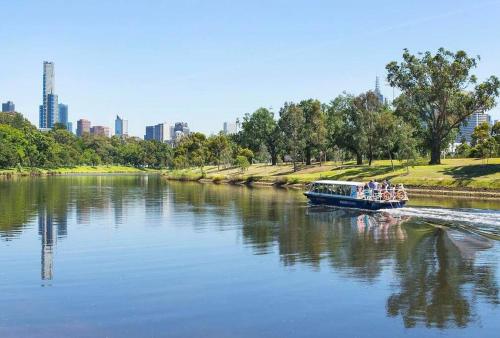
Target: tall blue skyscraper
[49,108]
[8,107]
[63,114]
[150,132]
[121,126]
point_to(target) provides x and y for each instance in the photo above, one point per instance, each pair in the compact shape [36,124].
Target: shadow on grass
[465,174]
[364,172]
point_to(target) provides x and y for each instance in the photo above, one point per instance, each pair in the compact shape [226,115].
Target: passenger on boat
[372,185]
[368,192]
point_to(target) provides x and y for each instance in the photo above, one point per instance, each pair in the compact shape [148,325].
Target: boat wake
[475,219]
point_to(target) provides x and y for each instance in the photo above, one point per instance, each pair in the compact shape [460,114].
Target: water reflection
[46,231]
[437,279]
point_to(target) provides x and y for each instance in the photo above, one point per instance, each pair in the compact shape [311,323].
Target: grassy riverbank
[452,174]
[101,169]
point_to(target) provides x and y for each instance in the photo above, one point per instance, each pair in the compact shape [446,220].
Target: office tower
[49,108]
[182,127]
[150,132]
[377,90]
[99,131]
[160,132]
[63,114]
[69,126]
[229,128]
[8,107]
[467,128]
[121,126]
[82,127]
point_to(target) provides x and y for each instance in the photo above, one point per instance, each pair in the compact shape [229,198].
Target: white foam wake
[475,217]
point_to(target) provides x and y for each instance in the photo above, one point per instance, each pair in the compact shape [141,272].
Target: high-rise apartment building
[99,131]
[8,107]
[121,126]
[82,127]
[63,114]
[467,128]
[49,108]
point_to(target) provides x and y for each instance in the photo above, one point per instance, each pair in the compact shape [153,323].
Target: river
[139,256]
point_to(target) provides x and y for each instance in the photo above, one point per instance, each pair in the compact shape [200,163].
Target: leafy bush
[242,163]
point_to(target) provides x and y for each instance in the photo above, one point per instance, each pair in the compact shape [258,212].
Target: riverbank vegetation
[452,173]
[82,169]
[25,148]
[438,93]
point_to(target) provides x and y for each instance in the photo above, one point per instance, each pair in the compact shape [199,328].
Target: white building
[230,128]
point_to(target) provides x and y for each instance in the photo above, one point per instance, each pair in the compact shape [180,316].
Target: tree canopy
[440,89]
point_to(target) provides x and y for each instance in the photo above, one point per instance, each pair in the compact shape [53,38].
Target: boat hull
[348,202]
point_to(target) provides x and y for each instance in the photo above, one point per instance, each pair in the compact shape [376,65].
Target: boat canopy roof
[338,182]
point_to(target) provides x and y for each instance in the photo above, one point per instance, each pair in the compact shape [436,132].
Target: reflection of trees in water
[50,200]
[21,200]
[437,285]
[437,280]
[23,197]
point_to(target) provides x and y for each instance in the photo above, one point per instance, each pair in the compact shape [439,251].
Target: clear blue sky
[205,62]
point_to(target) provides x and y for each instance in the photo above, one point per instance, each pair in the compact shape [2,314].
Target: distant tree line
[438,93]
[23,145]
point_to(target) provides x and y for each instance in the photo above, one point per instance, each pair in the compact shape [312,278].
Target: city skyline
[204,71]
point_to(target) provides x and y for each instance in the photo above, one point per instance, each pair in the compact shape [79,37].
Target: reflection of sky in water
[133,256]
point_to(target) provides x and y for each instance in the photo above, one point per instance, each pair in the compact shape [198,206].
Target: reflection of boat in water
[353,195]
[381,225]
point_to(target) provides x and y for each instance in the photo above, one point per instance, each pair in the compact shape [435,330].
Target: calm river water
[137,256]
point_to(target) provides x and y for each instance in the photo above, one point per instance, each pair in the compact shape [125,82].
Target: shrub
[242,163]
[281,180]
[217,178]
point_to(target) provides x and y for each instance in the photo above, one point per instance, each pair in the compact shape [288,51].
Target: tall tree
[218,145]
[314,128]
[438,89]
[292,124]
[368,107]
[193,150]
[349,125]
[260,128]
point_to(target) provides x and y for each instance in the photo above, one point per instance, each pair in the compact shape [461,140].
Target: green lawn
[101,169]
[453,173]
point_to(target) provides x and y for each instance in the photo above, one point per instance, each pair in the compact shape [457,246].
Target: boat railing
[395,193]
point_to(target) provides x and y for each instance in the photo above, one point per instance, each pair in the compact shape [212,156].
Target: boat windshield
[333,189]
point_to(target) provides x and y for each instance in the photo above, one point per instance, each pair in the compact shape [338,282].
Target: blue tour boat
[356,195]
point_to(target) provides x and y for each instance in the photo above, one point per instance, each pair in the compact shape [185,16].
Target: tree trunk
[359,159]
[308,156]
[435,152]
[390,157]
[274,159]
